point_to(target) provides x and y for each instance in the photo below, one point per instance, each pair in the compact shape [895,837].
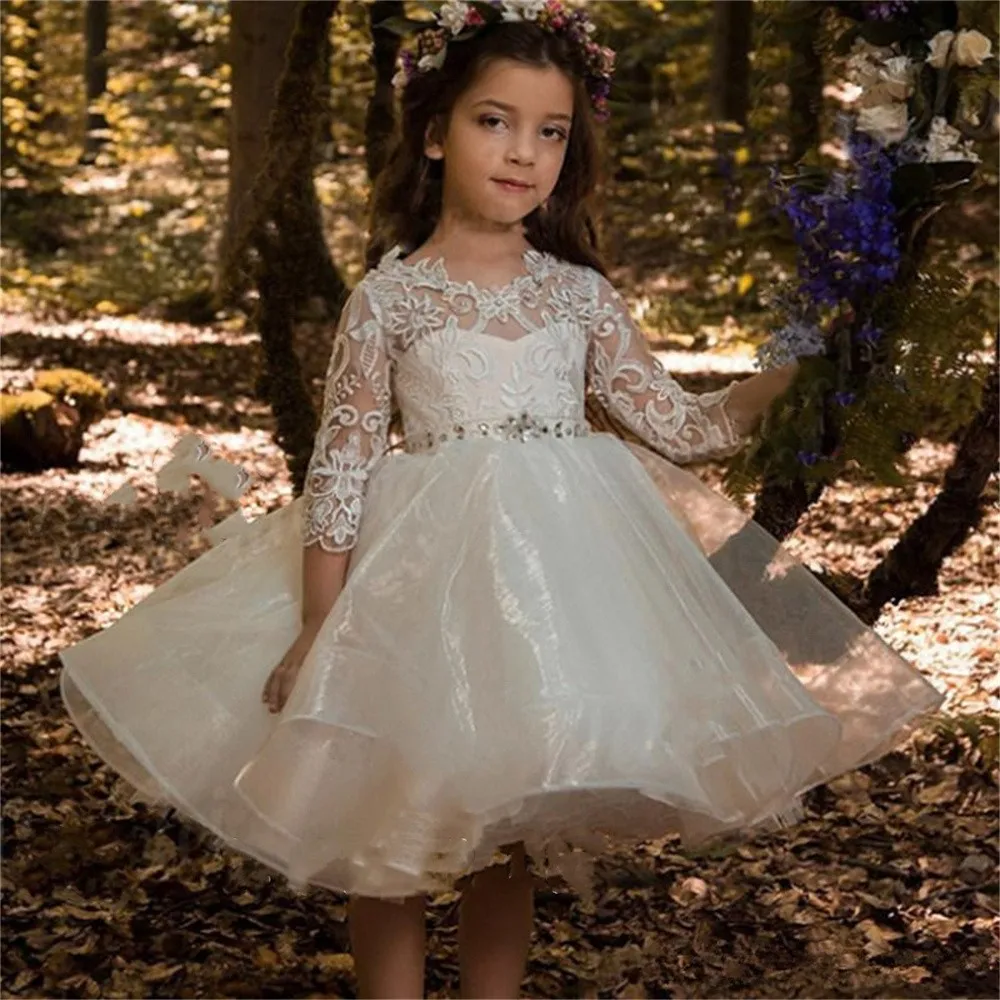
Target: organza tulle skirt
[570,642]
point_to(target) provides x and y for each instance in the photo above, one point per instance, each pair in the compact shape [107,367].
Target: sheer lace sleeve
[353,430]
[632,385]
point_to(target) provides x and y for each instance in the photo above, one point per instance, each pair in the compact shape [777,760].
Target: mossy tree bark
[732,32]
[261,35]
[805,78]
[95,74]
[912,566]
[280,234]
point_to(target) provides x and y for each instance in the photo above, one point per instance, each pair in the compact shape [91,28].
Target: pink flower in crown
[455,16]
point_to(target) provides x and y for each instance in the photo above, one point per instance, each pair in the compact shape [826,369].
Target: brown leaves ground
[887,889]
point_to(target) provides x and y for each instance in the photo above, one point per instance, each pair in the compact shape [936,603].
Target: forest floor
[887,888]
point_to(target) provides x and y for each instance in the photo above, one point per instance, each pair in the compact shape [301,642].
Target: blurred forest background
[121,208]
[133,136]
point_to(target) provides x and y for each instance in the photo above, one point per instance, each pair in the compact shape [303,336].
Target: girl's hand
[282,679]
[752,397]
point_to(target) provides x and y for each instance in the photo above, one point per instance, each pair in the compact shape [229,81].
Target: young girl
[548,637]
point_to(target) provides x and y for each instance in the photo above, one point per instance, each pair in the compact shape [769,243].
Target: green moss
[76,388]
[22,405]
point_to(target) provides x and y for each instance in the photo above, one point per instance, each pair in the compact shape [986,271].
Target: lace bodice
[454,353]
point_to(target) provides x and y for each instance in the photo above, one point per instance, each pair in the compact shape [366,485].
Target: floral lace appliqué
[353,429]
[452,353]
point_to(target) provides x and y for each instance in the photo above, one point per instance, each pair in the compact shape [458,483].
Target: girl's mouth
[513,186]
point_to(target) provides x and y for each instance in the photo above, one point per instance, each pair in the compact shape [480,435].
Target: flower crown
[458,20]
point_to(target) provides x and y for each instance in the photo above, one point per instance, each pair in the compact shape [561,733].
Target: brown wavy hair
[406,198]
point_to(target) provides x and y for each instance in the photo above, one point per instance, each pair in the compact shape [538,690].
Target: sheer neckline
[431,271]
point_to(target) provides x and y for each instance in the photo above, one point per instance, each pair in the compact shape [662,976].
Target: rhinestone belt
[520,427]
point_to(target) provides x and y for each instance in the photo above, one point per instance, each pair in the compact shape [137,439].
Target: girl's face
[505,142]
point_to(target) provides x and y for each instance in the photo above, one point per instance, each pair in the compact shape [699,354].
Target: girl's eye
[493,122]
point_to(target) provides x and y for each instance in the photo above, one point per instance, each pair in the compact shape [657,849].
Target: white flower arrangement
[886,123]
[865,62]
[883,80]
[967,48]
[944,142]
[886,80]
[894,81]
[972,48]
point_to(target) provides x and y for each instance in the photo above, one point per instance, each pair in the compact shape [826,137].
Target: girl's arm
[634,387]
[750,398]
[352,436]
[323,576]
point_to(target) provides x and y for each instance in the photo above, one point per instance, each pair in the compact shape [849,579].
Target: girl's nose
[522,149]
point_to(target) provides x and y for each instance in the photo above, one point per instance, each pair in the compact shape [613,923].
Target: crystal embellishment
[516,427]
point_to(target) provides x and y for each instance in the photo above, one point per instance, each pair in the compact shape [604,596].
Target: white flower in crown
[435,61]
[453,14]
[522,10]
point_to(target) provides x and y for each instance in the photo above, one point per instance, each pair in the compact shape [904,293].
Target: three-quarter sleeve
[632,386]
[354,428]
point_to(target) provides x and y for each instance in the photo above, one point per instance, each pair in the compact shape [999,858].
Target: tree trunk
[95,75]
[260,31]
[730,83]
[325,151]
[911,567]
[281,225]
[805,77]
[380,116]
[780,504]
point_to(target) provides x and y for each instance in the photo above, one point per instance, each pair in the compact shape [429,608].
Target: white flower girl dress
[546,634]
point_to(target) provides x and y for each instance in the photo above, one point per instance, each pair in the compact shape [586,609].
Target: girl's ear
[433,148]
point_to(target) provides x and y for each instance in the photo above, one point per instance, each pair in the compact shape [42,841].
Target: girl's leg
[494,929]
[388,942]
